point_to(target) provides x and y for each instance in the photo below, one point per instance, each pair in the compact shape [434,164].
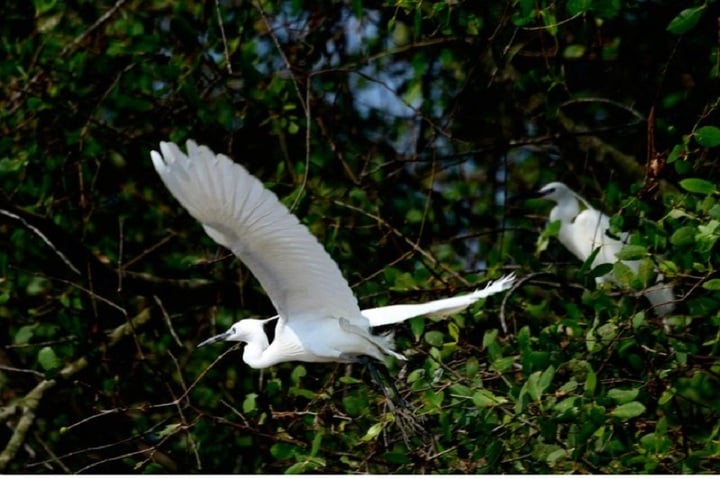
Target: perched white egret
[583,229]
[318,315]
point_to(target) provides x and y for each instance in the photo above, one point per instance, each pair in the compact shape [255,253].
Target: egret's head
[237,332]
[554,191]
[244,331]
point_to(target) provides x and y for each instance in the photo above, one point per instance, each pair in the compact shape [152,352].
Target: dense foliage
[399,132]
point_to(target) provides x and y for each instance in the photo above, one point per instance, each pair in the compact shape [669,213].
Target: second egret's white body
[318,315]
[583,229]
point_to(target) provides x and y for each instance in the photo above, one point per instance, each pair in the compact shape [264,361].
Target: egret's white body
[318,315]
[583,229]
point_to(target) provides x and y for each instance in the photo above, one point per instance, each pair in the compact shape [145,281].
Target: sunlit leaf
[712,284]
[632,252]
[434,338]
[622,396]
[24,334]
[249,404]
[48,359]
[628,410]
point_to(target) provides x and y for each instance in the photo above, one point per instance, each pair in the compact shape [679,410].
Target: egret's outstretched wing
[397,313]
[238,212]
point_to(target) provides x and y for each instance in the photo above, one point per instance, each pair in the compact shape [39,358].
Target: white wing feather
[397,313]
[238,212]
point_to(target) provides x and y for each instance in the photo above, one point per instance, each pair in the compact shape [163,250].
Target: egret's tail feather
[397,313]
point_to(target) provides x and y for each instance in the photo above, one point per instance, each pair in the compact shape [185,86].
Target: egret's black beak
[527,195]
[214,339]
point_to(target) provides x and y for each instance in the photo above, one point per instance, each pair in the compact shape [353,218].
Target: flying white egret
[583,229]
[318,315]
[396,313]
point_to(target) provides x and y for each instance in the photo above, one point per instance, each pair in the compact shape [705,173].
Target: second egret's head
[555,191]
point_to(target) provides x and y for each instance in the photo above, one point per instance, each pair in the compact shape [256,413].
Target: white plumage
[397,313]
[583,229]
[318,315]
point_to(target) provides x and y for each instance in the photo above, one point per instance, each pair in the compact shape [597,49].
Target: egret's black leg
[375,370]
[391,381]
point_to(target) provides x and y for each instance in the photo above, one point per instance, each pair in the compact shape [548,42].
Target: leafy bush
[398,133]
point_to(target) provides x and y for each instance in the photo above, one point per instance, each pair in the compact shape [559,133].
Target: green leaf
[532,386]
[590,383]
[628,410]
[632,252]
[249,404]
[622,396]
[489,337]
[454,331]
[460,390]
[555,456]
[606,9]
[683,236]
[573,52]
[434,338]
[302,392]
[576,7]
[600,270]
[685,20]
[298,373]
[502,364]
[486,399]
[317,440]
[282,451]
[677,151]
[708,136]
[623,274]
[551,230]
[373,432]
[697,185]
[712,284]
[24,334]
[707,235]
[546,378]
[417,327]
[48,359]
[472,366]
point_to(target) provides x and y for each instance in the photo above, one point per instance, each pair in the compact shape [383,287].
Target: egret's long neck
[566,209]
[257,344]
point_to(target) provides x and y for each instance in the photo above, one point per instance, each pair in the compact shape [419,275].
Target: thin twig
[104,18]
[407,240]
[224,38]
[166,316]
[304,99]
[42,236]
[18,370]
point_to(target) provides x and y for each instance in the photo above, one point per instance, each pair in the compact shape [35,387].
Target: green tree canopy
[398,132]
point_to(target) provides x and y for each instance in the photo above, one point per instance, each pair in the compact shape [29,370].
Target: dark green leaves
[708,136]
[698,185]
[685,20]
